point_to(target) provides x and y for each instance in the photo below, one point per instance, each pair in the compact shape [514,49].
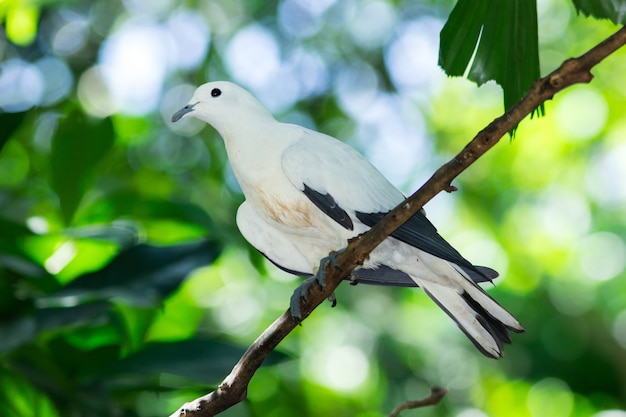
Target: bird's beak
[180,113]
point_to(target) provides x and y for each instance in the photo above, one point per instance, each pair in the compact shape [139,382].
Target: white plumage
[308,193]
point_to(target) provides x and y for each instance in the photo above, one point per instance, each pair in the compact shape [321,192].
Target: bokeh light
[578,121]
[22,85]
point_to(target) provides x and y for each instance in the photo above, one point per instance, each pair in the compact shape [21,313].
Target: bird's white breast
[256,160]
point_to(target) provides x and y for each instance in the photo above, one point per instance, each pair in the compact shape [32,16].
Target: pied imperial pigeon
[307,193]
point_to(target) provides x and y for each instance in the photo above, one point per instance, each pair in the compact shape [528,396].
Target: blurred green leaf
[498,39]
[127,203]
[201,359]
[614,10]
[143,274]
[16,332]
[78,145]
[56,318]
[9,122]
[18,398]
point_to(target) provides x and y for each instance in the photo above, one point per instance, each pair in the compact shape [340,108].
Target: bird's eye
[216,92]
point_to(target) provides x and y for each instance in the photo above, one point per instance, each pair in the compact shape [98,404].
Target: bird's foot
[301,292]
[298,296]
[333,299]
[353,278]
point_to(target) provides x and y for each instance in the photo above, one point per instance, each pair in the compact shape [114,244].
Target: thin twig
[436,394]
[234,388]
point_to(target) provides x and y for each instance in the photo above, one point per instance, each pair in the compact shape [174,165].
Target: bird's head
[221,103]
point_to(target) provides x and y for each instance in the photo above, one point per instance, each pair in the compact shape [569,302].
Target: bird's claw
[333,299]
[301,292]
[298,296]
[320,276]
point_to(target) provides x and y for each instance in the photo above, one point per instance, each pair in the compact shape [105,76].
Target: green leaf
[614,10]
[143,274]
[201,359]
[16,332]
[54,318]
[77,146]
[9,122]
[18,398]
[497,40]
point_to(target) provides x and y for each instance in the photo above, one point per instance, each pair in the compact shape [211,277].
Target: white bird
[307,193]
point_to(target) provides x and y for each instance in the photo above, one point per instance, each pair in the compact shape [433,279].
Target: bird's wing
[345,186]
[419,232]
[271,242]
[337,178]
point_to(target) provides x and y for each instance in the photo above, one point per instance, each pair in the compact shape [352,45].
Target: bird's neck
[255,149]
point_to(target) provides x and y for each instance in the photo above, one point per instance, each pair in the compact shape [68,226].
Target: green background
[126,289]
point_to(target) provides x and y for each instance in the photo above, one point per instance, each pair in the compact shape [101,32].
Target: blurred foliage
[126,290]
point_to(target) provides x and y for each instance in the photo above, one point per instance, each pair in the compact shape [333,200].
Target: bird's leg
[303,289]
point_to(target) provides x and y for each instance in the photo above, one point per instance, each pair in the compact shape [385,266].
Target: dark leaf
[77,146]
[16,332]
[128,203]
[498,40]
[9,122]
[56,317]
[614,10]
[204,360]
[143,274]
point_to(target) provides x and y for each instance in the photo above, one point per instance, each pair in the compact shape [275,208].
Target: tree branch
[233,389]
[436,394]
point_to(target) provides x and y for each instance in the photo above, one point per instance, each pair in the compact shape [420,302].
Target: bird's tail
[485,322]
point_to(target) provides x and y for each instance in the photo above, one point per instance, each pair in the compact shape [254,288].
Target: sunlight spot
[237,311]
[342,368]
[610,413]
[564,215]
[298,20]
[38,225]
[22,85]
[602,174]
[411,58]
[581,113]
[149,7]
[602,256]
[134,62]
[253,56]
[372,23]
[395,143]
[72,36]
[60,258]
[58,80]
[471,412]
[356,86]
[481,249]
[550,397]
[93,93]
[191,37]
[20,21]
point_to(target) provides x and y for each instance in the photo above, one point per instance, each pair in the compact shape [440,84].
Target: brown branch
[436,394]
[576,70]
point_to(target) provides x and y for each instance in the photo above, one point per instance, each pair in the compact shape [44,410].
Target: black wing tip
[499,330]
[329,206]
